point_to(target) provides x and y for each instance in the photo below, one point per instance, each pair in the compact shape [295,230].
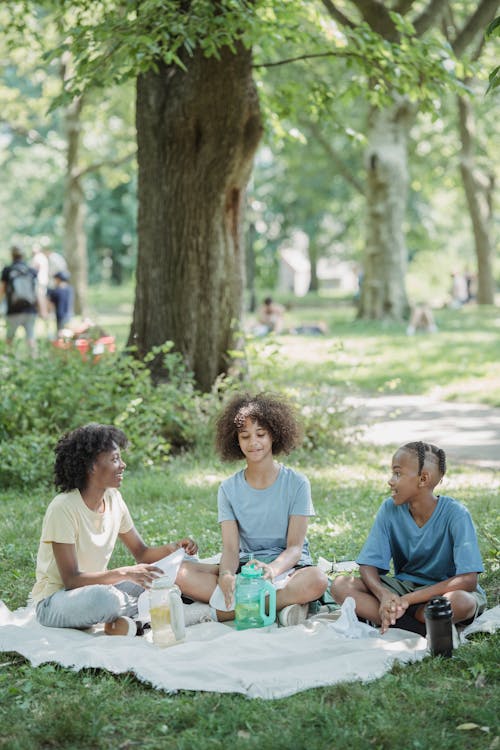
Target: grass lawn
[419,706]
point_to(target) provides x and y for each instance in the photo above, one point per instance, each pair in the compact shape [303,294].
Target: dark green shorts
[401,588]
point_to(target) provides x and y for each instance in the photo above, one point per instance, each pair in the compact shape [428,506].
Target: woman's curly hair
[76,452]
[273,413]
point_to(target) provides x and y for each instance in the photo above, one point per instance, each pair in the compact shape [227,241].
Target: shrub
[43,398]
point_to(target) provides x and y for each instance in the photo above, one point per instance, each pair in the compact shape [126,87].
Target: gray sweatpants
[88,605]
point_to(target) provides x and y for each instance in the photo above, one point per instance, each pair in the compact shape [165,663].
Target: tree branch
[338,162]
[104,163]
[376,15]
[430,16]
[403,7]
[479,20]
[337,15]
[29,134]
[337,53]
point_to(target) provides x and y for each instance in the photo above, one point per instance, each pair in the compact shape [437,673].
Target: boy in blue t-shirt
[431,541]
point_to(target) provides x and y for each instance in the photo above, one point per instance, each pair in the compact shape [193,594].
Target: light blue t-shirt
[263,515]
[445,546]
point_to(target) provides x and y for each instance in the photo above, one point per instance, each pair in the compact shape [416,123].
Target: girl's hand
[269,573]
[188,545]
[227,583]
[142,574]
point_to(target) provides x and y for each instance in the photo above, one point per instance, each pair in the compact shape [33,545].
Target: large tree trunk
[478,186]
[383,292]
[75,240]
[197,133]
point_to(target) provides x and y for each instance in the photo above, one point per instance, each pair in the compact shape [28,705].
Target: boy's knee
[463,605]
[341,588]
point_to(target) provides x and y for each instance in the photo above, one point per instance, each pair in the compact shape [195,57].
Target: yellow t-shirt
[69,521]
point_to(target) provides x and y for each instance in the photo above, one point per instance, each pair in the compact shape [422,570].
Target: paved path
[469,433]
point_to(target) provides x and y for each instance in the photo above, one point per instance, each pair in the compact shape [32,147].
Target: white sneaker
[121,626]
[294,614]
[196,612]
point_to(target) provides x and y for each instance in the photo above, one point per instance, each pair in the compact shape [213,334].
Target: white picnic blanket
[264,663]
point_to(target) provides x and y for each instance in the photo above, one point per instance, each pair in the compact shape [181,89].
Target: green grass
[460,362]
[417,706]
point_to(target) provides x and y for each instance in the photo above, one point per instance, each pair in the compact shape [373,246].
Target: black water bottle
[438,624]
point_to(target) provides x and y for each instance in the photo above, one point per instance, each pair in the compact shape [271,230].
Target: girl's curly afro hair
[272,412]
[76,452]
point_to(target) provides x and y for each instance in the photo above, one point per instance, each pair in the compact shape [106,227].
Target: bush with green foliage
[43,398]
[60,390]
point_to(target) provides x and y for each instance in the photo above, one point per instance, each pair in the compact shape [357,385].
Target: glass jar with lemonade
[167,613]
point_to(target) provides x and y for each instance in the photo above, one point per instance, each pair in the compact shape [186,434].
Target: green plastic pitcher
[252,590]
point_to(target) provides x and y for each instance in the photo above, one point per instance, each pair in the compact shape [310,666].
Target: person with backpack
[19,286]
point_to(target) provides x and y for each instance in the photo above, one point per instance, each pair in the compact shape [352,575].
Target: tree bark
[197,133]
[74,238]
[479,187]
[383,293]
[313,260]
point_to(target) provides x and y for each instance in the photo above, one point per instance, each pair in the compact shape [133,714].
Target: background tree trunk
[313,254]
[478,186]
[383,292]
[197,133]
[75,238]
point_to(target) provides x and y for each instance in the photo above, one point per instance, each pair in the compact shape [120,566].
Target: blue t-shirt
[263,515]
[445,546]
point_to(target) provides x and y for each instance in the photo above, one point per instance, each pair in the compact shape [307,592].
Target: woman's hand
[227,583]
[188,545]
[142,574]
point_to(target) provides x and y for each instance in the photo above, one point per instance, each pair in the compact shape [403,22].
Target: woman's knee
[311,583]
[318,584]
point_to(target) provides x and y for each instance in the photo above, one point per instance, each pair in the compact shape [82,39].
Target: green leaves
[157,419]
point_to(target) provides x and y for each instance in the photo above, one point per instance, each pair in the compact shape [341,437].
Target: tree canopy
[309,78]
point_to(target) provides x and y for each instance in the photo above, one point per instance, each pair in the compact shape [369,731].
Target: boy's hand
[189,545]
[392,607]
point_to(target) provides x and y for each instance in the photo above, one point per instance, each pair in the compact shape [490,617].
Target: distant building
[295,273]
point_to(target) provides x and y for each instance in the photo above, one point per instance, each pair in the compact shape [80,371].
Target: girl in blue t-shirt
[263,511]
[430,540]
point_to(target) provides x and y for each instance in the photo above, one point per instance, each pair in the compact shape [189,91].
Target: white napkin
[348,624]
[217,601]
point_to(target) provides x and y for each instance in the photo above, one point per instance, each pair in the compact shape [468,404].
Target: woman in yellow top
[74,588]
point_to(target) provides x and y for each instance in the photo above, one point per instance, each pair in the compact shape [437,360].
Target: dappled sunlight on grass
[339,472]
[478,479]
[202,479]
[329,528]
